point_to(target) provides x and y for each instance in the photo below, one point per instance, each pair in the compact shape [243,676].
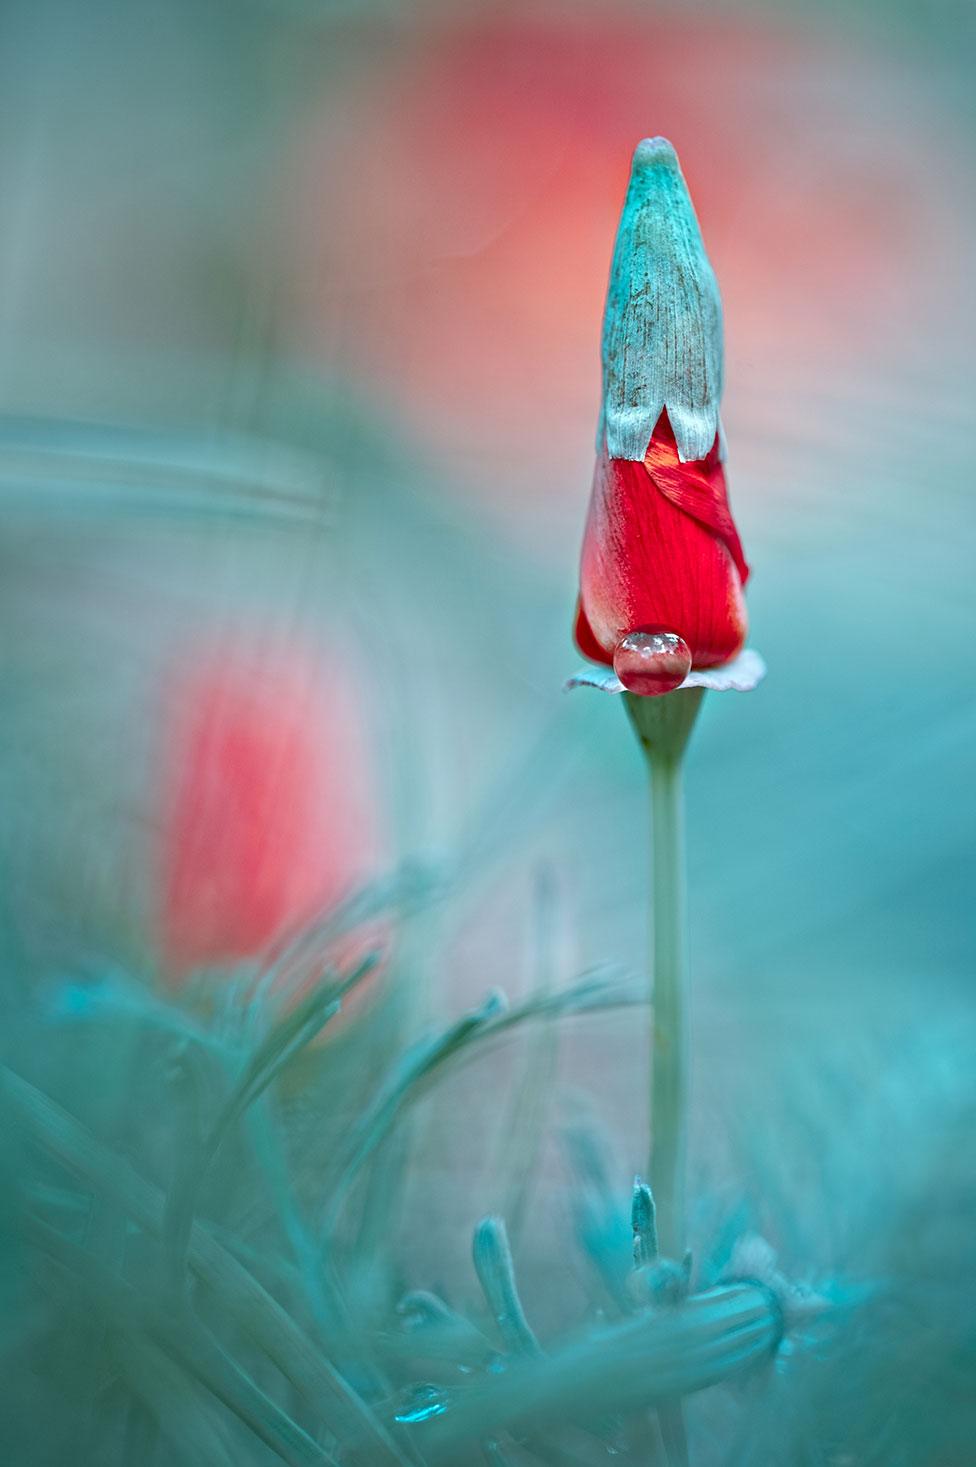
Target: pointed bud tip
[654,153]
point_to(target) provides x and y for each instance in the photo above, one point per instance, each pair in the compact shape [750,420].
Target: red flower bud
[662,568]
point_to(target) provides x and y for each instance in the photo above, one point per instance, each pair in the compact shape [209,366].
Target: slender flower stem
[663,726]
[669,979]
[669,1063]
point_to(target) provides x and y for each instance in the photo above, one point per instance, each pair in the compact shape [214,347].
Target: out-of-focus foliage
[207,1256]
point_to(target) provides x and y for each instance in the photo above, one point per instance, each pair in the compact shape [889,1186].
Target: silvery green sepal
[744,673]
[662,329]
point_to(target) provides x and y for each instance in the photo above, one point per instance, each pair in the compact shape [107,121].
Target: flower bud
[661,554]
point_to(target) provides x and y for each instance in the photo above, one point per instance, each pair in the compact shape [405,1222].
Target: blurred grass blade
[184,1340]
[429,1058]
[496,1273]
[286,1039]
[183,1413]
[656,1356]
[260,1316]
[520,1137]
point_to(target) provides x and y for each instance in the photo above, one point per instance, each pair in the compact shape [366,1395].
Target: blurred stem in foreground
[663,725]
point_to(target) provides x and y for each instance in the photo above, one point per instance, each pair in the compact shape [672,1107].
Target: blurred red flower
[269,815]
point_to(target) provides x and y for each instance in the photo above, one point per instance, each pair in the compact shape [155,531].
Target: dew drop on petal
[650,663]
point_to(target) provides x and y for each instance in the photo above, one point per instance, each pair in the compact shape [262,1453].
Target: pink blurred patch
[455,220]
[269,812]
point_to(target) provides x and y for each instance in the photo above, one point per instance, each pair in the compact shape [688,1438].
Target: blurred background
[299,325]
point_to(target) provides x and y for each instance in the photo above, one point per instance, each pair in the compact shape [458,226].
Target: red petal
[648,565]
[697,488]
[586,641]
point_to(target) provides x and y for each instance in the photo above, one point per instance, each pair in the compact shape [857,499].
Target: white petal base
[741,675]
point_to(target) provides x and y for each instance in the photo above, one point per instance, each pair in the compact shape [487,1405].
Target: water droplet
[651,663]
[422,1402]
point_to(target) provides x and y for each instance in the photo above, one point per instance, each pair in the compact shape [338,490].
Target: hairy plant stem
[669,1042]
[663,726]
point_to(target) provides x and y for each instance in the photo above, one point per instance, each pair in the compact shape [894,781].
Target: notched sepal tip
[662,329]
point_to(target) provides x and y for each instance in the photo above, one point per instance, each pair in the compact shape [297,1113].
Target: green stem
[669,1066]
[663,725]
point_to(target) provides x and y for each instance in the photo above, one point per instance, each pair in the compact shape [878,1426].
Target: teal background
[357,254]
